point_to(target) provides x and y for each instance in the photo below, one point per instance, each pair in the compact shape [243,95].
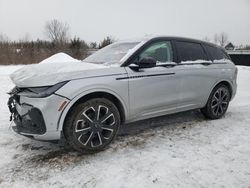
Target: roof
[148,38]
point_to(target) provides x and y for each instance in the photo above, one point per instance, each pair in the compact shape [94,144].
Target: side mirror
[147,62]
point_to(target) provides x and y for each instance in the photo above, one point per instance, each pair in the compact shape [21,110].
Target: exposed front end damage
[35,117]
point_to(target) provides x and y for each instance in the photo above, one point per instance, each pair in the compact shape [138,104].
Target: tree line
[59,40]
[222,40]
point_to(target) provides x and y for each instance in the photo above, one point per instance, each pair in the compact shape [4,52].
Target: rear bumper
[36,118]
[234,91]
[234,84]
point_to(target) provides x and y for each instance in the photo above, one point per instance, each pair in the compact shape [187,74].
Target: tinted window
[161,51]
[216,53]
[189,51]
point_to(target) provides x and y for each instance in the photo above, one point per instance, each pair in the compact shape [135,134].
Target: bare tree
[106,41]
[78,47]
[93,45]
[57,32]
[223,39]
[6,50]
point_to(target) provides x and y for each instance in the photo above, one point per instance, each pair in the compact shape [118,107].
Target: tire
[217,103]
[92,125]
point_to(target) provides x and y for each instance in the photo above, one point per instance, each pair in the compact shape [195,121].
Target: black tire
[217,103]
[92,125]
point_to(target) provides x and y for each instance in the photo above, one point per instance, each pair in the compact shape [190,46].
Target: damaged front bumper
[36,117]
[27,118]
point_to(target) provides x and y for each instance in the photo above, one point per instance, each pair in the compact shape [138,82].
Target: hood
[51,72]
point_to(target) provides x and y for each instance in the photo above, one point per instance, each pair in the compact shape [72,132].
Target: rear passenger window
[215,53]
[189,51]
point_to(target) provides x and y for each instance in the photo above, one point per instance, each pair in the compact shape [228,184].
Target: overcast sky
[92,20]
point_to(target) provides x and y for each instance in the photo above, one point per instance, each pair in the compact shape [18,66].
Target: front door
[154,91]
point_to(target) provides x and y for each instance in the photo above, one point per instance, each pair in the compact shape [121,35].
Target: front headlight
[41,92]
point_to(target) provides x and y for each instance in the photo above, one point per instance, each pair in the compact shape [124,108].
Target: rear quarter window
[190,51]
[216,53]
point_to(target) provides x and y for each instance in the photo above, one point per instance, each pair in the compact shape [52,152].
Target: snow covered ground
[182,150]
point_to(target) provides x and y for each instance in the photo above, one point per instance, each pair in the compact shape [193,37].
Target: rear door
[196,73]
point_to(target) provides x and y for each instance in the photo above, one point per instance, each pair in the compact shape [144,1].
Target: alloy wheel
[95,126]
[220,101]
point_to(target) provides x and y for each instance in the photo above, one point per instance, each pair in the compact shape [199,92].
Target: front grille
[32,122]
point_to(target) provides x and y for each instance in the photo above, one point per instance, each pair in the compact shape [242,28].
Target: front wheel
[92,125]
[217,103]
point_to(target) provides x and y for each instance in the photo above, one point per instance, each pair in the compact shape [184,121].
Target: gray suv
[87,102]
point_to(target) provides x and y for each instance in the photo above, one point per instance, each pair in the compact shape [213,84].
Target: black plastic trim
[143,76]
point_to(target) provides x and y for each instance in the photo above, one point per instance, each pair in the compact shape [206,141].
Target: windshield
[111,54]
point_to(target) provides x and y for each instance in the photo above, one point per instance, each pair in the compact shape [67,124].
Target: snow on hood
[57,68]
[59,58]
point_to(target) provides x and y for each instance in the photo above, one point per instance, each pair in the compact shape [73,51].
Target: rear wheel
[217,103]
[92,125]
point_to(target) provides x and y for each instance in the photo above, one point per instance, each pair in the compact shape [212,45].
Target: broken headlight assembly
[40,92]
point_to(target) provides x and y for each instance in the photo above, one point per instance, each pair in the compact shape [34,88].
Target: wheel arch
[108,94]
[225,82]
[228,84]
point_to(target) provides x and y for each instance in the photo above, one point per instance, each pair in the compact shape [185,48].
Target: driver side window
[161,51]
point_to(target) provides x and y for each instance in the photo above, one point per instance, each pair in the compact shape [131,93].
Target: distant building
[229,46]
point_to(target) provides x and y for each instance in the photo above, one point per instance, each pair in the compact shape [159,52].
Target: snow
[59,58]
[206,61]
[57,68]
[7,70]
[181,150]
